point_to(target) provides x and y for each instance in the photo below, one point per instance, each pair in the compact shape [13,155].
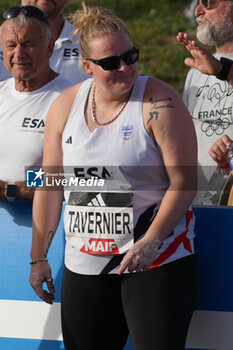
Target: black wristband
[227,64]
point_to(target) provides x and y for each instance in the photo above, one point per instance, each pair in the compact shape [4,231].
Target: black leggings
[154,307]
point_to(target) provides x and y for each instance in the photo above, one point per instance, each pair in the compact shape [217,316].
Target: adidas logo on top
[69,140]
[97,201]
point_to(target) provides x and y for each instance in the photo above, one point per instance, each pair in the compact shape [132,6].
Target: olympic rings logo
[215,126]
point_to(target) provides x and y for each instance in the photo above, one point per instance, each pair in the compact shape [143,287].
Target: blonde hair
[94,22]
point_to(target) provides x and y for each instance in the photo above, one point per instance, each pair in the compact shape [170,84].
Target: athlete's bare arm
[170,126]
[47,204]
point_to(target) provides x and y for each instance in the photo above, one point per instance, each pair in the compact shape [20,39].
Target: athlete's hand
[219,150]
[202,59]
[141,255]
[40,273]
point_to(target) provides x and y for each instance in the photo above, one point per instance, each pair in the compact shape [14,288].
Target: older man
[208,91]
[25,99]
[66,51]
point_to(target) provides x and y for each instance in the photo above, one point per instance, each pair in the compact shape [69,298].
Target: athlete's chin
[125,83]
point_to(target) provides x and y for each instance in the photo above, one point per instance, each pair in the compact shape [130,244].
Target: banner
[27,323]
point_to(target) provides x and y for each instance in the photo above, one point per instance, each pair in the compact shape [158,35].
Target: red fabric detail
[171,249]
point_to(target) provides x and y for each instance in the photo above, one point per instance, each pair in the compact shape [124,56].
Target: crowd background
[153,26]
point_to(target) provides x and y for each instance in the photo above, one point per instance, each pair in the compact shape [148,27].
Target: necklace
[115,116]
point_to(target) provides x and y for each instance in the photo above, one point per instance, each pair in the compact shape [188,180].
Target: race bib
[99,223]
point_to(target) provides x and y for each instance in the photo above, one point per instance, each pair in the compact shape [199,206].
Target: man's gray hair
[22,19]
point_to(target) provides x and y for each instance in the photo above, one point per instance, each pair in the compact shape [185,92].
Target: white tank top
[121,182]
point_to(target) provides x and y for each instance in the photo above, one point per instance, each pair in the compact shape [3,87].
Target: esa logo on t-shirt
[70,53]
[33,125]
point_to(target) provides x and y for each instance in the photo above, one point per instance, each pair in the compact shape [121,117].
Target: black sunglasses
[29,11]
[113,62]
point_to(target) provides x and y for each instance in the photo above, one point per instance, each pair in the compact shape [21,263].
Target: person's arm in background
[219,153]
[22,192]
[202,59]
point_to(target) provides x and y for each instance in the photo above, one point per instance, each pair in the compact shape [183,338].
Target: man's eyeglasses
[29,11]
[113,62]
[209,4]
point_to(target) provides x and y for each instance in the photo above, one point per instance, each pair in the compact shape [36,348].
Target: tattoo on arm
[155,106]
[50,238]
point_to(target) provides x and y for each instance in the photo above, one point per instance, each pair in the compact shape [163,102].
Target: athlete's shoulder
[68,95]
[59,84]
[158,89]
[61,107]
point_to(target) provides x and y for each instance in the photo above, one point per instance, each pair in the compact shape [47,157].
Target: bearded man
[208,91]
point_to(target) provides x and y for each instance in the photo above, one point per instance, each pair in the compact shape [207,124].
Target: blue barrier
[28,323]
